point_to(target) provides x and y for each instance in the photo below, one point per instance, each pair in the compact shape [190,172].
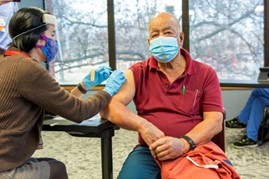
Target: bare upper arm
[126,93]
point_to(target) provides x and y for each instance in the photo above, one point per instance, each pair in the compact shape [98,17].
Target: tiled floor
[82,155]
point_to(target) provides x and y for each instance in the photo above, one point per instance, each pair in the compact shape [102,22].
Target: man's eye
[154,35]
[168,33]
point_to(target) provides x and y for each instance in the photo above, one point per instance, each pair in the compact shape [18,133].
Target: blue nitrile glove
[100,75]
[114,82]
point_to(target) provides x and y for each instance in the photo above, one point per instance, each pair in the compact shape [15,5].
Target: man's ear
[181,37]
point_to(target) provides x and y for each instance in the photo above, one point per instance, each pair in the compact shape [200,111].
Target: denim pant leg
[140,165]
[255,117]
[244,115]
[245,112]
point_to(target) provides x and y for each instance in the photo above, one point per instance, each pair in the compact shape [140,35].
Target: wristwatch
[81,89]
[190,141]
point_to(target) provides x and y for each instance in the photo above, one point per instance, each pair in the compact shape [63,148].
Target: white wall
[234,101]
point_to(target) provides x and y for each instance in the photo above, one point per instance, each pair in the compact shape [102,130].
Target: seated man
[178,101]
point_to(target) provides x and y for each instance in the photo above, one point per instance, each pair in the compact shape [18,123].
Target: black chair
[219,139]
[264,128]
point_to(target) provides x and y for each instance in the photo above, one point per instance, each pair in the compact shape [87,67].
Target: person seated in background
[178,102]
[27,90]
[250,118]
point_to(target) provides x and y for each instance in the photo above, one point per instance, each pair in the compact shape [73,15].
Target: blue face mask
[164,49]
[50,49]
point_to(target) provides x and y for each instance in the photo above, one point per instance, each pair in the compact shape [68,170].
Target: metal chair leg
[264,122]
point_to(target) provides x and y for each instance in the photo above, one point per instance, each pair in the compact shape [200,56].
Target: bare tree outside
[226,34]
[82,26]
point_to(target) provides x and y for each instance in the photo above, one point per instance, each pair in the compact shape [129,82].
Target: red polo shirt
[175,108]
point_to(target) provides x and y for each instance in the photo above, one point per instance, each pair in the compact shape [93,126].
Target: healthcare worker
[27,90]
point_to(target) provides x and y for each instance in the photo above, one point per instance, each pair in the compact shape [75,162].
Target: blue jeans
[252,113]
[140,165]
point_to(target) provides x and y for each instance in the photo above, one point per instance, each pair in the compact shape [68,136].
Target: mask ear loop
[44,37]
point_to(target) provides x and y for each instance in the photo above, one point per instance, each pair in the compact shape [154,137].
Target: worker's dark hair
[25,28]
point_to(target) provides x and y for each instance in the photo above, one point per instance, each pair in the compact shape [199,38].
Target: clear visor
[49,19]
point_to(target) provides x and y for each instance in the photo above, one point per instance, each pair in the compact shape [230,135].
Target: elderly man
[178,102]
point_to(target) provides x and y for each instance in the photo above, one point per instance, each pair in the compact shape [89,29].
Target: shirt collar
[12,51]
[153,64]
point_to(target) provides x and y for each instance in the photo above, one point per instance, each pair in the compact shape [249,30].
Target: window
[228,35]
[83,34]
[82,26]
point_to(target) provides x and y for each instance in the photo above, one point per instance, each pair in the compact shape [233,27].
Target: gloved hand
[100,75]
[114,82]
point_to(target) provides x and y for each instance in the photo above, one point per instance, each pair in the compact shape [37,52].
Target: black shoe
[234,123]
[245,142]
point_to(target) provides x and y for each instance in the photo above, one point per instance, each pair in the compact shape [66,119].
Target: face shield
[51,20]
[50,49]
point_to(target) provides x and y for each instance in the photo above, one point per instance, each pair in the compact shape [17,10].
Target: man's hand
[5,1]
[150,133]
[167,148]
